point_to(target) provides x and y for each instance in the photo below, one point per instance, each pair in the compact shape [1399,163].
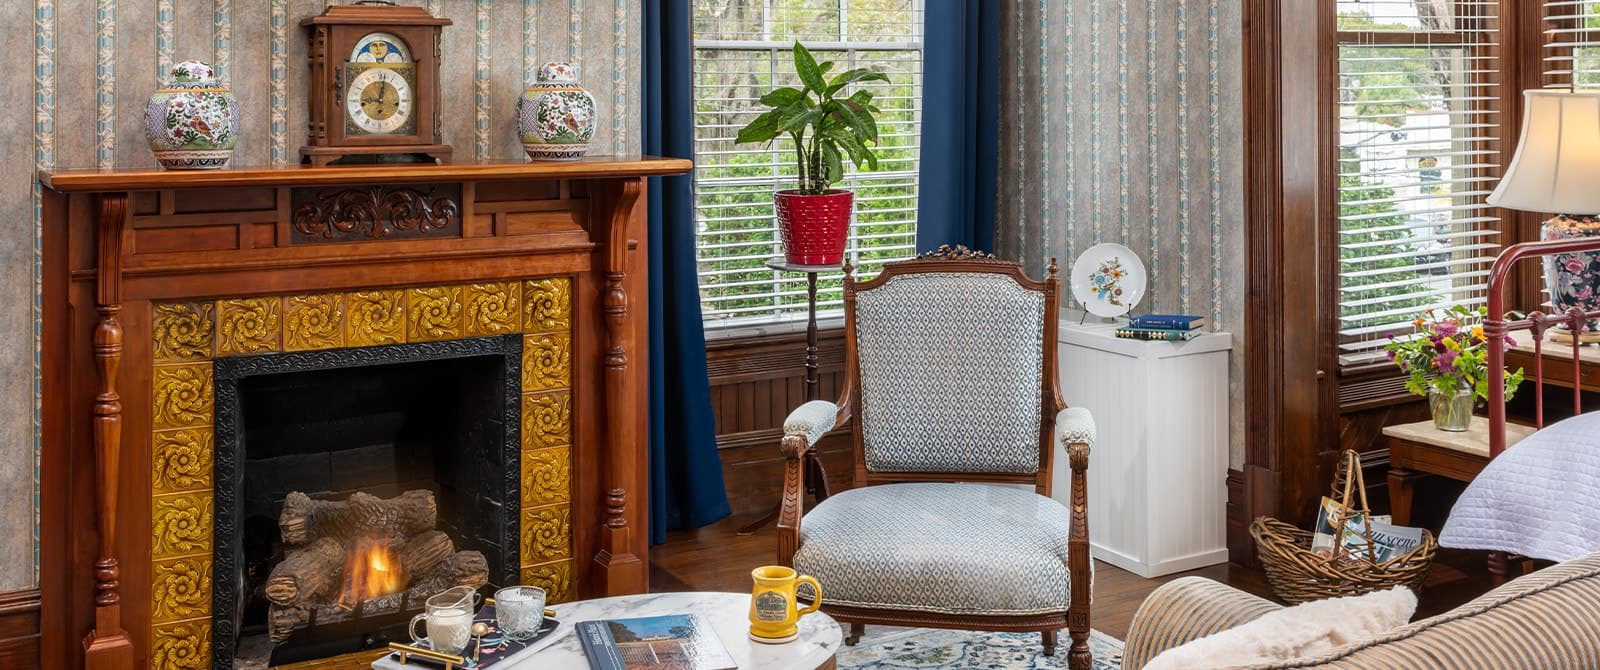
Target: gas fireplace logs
[365,552]
[304,519]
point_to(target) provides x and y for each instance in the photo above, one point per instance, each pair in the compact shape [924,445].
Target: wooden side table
[1558,363]
[1419,449]
[816,478]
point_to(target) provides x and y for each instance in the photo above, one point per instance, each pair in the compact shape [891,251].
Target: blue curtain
[685,472]
[960,124]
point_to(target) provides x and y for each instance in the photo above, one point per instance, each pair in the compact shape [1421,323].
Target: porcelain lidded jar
[555,116]
[192,121]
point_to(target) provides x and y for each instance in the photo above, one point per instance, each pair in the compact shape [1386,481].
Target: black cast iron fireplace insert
[441,416]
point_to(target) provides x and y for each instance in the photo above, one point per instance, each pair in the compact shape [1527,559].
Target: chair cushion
[972,549]
[952,370]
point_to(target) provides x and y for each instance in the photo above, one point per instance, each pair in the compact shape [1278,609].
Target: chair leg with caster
[856,629]
[1049,638]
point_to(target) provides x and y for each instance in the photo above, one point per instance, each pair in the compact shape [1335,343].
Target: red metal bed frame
[1536,323]
[1496,327]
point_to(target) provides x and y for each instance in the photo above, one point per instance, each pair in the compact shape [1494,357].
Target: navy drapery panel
[960,124]
[685,472]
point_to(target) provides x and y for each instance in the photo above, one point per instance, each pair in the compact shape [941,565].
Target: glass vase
[1452,408]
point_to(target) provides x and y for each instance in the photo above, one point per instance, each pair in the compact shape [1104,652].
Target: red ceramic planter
[814,227]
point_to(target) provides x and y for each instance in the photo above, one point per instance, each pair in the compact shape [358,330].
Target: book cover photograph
[669,642]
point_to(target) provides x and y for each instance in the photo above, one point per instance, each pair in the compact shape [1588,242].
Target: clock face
[379,99]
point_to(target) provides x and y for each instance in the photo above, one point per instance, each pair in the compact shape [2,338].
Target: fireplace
[165,293]
[439,416]
[377,477]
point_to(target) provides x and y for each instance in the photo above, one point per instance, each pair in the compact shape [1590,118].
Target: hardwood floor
[715,558]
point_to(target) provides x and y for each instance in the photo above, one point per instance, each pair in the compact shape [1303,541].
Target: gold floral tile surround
[189,335]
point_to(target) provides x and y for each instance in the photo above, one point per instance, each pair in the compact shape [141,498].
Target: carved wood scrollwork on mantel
[376,212]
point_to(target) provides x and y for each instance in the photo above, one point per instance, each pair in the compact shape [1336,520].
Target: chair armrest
[1075,425]
[1184,610]
[811,421]
[801,430]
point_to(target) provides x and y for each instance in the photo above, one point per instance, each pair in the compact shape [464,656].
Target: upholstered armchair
[951,379]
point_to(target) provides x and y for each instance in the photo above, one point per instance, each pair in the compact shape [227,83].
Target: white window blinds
[1572,43]
[1419,128]
[742,50]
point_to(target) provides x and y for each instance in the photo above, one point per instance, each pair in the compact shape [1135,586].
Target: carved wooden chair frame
[795,447]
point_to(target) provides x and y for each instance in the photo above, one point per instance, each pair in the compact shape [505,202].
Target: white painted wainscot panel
[1157,472]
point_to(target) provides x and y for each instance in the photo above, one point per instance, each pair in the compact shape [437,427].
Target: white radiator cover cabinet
[1158,468]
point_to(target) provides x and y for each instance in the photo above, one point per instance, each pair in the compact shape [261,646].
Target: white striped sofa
[1548,620]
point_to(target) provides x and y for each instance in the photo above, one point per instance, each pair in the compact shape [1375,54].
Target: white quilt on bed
[1540,498]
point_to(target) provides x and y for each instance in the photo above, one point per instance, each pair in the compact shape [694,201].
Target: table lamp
[1557,170]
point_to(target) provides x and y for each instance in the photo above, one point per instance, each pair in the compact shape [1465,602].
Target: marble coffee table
[728,614]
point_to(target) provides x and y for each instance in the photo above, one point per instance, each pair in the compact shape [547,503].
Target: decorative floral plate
[1109,280]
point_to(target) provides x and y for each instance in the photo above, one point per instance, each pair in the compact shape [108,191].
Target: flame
[371,569]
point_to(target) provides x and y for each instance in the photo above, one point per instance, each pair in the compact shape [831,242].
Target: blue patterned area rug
[884,648]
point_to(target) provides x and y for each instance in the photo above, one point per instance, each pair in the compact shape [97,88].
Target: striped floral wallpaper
[1121,122]
[96,62]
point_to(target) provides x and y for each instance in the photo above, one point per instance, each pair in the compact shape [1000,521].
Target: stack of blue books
[1169,327]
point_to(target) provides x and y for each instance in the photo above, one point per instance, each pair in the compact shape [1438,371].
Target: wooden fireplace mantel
[117,244]
[145,179]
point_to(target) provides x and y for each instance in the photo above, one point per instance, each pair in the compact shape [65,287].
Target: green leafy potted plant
[1447,359]
[825,128]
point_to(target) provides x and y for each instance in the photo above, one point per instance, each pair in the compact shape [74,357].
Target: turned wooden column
[618,569]
[107,646]
[1078,624]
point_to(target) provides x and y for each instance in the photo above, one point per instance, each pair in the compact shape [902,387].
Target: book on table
[1170,335]
[668,642]
[1167,322]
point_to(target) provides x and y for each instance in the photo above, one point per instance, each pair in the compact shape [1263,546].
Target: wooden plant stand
[816,478]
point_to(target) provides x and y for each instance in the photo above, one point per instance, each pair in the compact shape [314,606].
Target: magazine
[1389,541]
[1322,540]
[669,642]
[1394,541]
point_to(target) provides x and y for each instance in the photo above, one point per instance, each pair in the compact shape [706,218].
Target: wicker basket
[1297,575]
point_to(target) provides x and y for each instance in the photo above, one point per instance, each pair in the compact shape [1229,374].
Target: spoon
[479,629]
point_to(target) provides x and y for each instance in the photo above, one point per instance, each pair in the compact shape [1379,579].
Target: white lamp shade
[1557,166]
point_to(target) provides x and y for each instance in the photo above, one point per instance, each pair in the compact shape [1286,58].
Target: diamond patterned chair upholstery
[950,375]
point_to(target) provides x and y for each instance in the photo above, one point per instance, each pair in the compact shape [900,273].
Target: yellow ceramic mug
[773,610]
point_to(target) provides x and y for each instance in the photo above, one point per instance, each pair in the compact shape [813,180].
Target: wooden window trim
[1383,38]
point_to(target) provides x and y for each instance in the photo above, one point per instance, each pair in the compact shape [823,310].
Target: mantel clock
[374,86]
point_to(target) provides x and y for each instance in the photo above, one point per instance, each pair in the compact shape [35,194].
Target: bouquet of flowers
[1449,351]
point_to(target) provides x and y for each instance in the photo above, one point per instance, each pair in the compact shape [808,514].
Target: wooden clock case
[334,34]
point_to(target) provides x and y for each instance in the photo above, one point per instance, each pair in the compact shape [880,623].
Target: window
[742,49]
[1572,43]
[1419,128]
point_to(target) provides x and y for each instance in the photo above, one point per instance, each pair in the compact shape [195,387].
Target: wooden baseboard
[1241,549]
[19,629]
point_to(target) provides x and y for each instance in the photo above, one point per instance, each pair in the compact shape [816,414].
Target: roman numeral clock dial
[378,100]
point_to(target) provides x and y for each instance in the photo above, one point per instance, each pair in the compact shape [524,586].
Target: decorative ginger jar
[192,121]
[555,116]
[1573,279]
